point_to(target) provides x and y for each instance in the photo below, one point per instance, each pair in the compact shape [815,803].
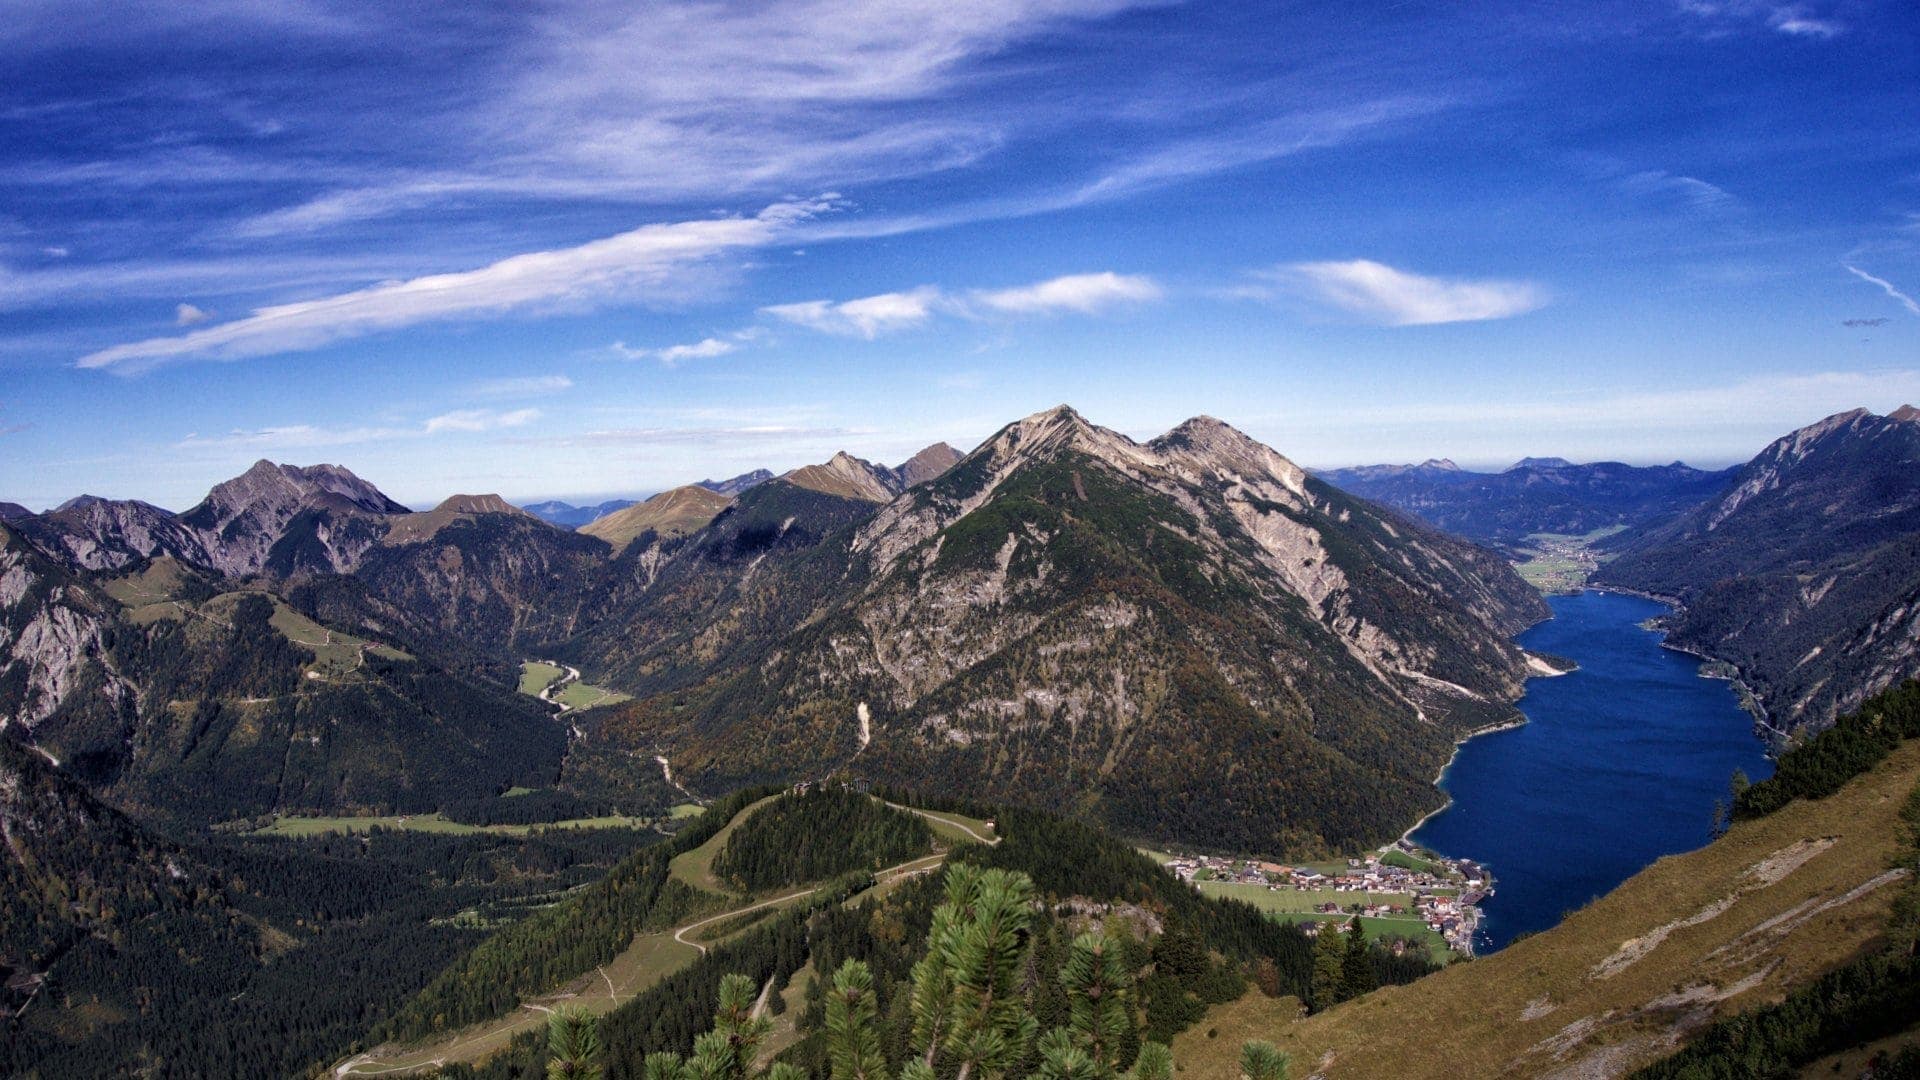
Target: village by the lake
[1403,895]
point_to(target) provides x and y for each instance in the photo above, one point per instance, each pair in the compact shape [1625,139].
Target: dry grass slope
[1771,906]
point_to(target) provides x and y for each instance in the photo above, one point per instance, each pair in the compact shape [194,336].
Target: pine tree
[1329,967]
[573,1046]
[1099,1006]
[853,1044]
[1260,1061]
[967,1009]
[1356,972]
[728,1051]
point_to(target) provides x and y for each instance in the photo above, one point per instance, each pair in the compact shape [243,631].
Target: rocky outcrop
[52,637]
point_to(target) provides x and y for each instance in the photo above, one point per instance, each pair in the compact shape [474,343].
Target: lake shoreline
[1639,728]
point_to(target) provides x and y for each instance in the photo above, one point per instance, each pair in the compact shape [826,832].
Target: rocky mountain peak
[1220,450]
[1906,413]
[846,476]
[1444,464]
[927,464]
[1541,463]
[478,504]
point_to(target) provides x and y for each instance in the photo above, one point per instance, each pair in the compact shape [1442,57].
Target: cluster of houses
[1445,895]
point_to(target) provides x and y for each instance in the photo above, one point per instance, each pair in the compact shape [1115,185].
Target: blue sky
[574,249]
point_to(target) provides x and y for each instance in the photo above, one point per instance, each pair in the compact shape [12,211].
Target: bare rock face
[335,514]
[92,533]
[51,635]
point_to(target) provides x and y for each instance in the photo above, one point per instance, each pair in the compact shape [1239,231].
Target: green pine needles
[972,1014]
[573,1046]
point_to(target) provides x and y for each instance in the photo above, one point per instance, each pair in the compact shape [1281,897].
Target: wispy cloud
[1083,293]
[1689,190]
[521,386]
[469,420]
[1887,287]
[189,315]
[871,316]
[674,355]
[311,436]
[678,436]
[1797,20]
[1381,293]
[867,317]
[629,266]
[1868,323]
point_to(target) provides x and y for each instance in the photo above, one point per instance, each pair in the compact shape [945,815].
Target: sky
[578,250]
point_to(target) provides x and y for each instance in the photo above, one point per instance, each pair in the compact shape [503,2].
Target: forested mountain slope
[1192,636]
[1805,574]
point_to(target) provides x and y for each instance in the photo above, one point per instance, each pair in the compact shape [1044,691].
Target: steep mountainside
[1805,574]
[847,477]
[286,518]
[1191,636]
[55,636]
[495,580]
[668,515]
[200,705]
[676,610]
[850,477]
[1769,908]
[91,533]
[11,512]
[1537,495]
[81,880]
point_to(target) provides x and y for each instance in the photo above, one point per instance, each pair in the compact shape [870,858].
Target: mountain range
[1146,622]
[1535,495]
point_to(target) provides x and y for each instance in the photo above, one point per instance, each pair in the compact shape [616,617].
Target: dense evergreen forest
[239,956]
[1180,951]
[821,833]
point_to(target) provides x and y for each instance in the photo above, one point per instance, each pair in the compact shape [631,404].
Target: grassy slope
[1772,905]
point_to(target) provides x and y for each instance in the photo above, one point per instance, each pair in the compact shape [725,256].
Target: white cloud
[469,420]
[55,252]
[1886,287]
[1797,20]
[521,386]
[871,316]
[309,436]
[1693,191]
[867,317]
[188,315]
[628,266]
[704,349]
[1083,293]
[1792,20]
[1383,294]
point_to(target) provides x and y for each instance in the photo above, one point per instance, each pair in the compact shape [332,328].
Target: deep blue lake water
[1618,764]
